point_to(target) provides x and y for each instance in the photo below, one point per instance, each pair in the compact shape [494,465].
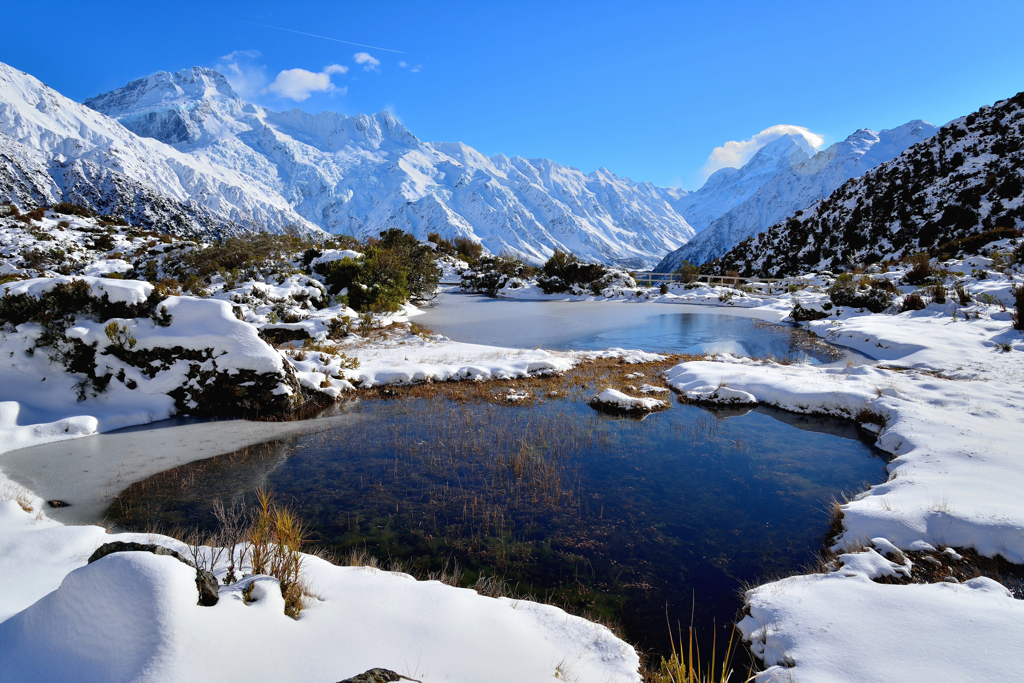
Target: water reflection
[604,514]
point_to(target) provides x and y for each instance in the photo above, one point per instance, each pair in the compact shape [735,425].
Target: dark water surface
[614,516]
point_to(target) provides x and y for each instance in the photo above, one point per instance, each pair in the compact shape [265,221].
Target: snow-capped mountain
[967,179]
[363,174]
[728,187]
[790,179]
[53,149]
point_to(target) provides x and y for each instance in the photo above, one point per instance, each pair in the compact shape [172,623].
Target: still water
[609,516]
[658,328]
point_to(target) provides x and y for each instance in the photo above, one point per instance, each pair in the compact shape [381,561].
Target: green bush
[563,271]
[492,272]
[461,248]
[395,268]
[249,255]
[688,272]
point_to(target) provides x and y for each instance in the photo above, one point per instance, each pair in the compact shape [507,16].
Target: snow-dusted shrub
[493,273]
[920,269]
[563,272]
[912,302]
[873,294]
[801,314]
[393,270]
[461,248]
[972,244]
[938,293]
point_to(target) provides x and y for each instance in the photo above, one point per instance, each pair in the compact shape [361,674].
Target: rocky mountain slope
[362,174]
[967,179]
[779,180]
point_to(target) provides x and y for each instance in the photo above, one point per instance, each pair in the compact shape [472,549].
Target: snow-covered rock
[616,400]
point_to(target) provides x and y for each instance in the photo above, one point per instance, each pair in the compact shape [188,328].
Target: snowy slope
[53,149]
[729,187]
[965,180]
[363,174]
[793,187]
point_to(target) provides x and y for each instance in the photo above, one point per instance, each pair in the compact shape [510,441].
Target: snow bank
[842,626]
[952,414]
[131,292]
[133,616]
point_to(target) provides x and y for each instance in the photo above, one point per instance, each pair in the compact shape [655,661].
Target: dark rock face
[205,581]
[376,676]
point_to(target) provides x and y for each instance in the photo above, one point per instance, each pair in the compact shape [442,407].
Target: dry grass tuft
[21,495]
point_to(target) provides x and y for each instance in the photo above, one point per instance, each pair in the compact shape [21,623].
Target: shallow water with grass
[607,516]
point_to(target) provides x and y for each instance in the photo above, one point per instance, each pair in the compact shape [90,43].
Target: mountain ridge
[362,174]
[796,187]
[965,180]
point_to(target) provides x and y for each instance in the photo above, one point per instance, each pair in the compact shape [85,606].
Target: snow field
[133,616]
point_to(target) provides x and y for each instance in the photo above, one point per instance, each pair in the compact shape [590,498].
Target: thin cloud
[367,61]
[735,153]
[313,35]
[300,84]
[416,69]
[402,65]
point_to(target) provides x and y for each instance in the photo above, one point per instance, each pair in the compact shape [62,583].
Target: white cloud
[246,78]
[299,84]
[416,69]
[368,62]
[402,64]
[736,153]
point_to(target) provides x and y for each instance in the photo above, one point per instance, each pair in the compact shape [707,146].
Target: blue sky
[646,89]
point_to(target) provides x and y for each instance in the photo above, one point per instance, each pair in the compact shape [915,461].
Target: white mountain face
[728,187]
[53,149]
[790,180]
[363,174]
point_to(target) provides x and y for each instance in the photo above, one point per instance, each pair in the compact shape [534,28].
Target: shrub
[250,255]
[1018,254]
[964,295]
[874,295]
[920,268]
[912,302]
[971,245]
[492,272]
[938,293]
[395,268]
[1017,315]
[801,314]
[563,271]
[69,209]
[461,247]
[688,272]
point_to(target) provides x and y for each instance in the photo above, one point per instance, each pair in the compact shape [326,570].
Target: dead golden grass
[581,382]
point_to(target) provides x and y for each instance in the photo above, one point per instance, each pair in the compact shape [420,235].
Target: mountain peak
[162,90]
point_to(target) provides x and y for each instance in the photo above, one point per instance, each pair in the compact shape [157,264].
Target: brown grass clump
[275,540]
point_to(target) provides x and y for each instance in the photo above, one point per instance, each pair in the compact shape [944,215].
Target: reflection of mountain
[778,181]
